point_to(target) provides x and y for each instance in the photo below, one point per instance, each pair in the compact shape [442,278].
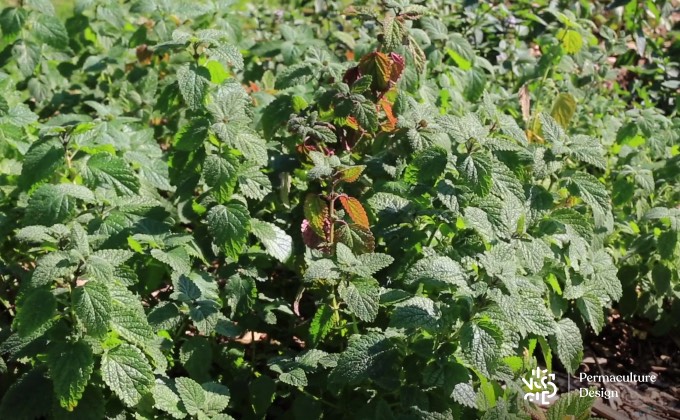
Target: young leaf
[355,210]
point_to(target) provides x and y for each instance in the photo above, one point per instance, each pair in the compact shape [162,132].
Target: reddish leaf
[355,210]
[397,67]
[316,212]
[378,66]
[391,119]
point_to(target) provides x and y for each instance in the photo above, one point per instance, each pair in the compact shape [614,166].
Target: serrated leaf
[359,239]
[227,55]
[166,400]
[192,135]
[229,226]
[176,258]
[591,190]
[220,174]
[480,342]
[193,83]
[366,114]
[438,271]
[366,357]
[591,307]
[295,377]
[416,312]
[477,169]
[362,297]
[321,324]
[108,171]
[192,395]
[92,305]
[355,210]
[426,166]
[316,212]
[34,310]
[588,150]
[130,324]
[52,204]
[70,366]
[568,345]
[275,240]
[126,371]
[254,184]
[196,357]
[42,160]
[350,174]
[217,398]
[50,30]
[465,394]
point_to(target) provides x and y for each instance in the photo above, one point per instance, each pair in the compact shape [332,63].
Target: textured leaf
[321,324]
[34,310]
[217,398]
[192,135]
[436,271]
[350,174]
[592,310]
[196,357]
[365,357]
[105,170]
[70,366]
[130,324]
[316,212]
[355,210]
[275,240]
[366,114]
[220,174]
[229,226]
[43,159]
[192,395]
[193,82]
[176,258]
[446,193]
[295,377]
[378,66]
[480,342]
[92,305]
[417,312]
[427,166]
[50,30]
[166,400]
[477,169]
[568,345]
[591,191]
[362,298]
[127,373]
[52,204]
[254,184]
[359,239]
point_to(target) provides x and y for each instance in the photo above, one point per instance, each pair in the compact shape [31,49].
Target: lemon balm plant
[215,211]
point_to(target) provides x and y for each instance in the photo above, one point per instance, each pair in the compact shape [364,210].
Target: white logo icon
[541,387]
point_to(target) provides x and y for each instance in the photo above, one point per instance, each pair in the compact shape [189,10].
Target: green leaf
[29,397]
[228,55]
[34,310]
[571,40]
[42,161]
[196,357]
[438,271]
[295,377]
[571,405]
[366,114]
[477,169]
[588,150]
[192,135]
[321,324]
[446,193]
[365,358]
[252,146]
[427,166]
[92,305]
[52,204]
[219,173]
[70,365]
[254,184]
[416,312]
[127,373]
[275,240]
[176,258]
[362,297]
[50,30]
[193,83]
[217,398]
[591,190]
[192,395]
[130,324]
[165,399]
[480,342]
[27,55]
[563,109]
[229,226]
[108,171]
[568,344]
[591,307]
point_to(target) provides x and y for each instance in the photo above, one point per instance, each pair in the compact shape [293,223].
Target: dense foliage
[394,210]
